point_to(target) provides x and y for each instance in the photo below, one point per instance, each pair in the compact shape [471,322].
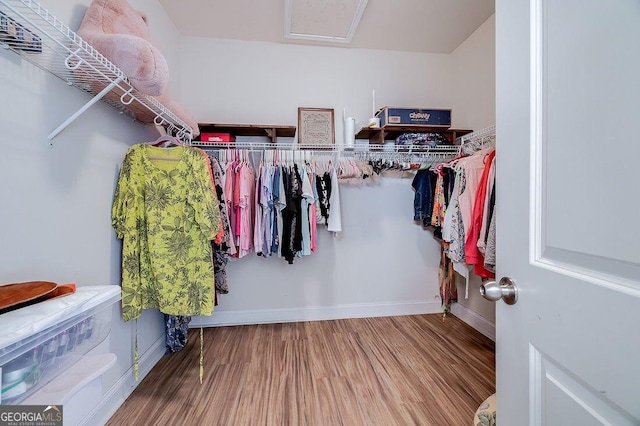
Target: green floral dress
[166,213]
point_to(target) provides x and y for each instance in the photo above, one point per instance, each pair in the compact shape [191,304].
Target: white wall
[475,108]
[382,263]
[229,81]
[55,220]
[474,93]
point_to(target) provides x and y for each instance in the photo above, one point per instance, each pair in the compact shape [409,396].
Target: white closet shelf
[378,135]
[472,142]
[363,147]
[395,152]
[29,30]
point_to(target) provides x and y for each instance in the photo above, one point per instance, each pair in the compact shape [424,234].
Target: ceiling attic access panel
[334,21]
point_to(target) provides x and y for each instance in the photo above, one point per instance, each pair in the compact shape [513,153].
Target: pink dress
[246,199]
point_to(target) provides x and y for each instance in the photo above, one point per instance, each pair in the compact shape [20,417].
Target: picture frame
[316,126]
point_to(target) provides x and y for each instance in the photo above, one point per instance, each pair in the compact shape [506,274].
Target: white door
[568,211]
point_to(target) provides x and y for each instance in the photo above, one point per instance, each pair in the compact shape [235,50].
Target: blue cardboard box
[427,117]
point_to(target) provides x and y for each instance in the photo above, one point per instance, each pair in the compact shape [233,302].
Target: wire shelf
[29,30]
[487,131]
[479,139]
[421,154]
[388,148]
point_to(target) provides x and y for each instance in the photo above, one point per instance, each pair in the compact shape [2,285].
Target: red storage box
[217,137]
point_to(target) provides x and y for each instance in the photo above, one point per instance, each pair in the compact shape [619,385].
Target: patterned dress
[166,214]
[439,207]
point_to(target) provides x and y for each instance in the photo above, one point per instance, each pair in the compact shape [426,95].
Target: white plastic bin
[39,342]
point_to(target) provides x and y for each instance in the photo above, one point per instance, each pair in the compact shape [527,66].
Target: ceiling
[428,26]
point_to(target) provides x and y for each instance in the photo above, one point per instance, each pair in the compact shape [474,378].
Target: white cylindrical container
[349,132]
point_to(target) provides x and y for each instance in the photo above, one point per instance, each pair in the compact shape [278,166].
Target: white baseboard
[361,310]
[476,321]
[121,390]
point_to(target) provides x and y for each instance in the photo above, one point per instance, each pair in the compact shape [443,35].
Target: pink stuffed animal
[121,34]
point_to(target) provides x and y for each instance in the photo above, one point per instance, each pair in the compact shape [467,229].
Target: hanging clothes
[489,204]
[323,185]
[176,332]
[239,188]
[246,204]
[334,223]
[462,212]
[291,214]
[306,202]
[490,253]
[275,209]
[260,211]
[439,202]
[264,211]
[276,224]
[222,250]
[313,212]
[424,196]
[473,167]
[281,204]
[229,191]
[165,211]
[472,253]
[453,227]
[220,234]
[447,281]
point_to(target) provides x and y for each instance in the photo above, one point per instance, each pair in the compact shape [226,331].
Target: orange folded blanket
[18,295]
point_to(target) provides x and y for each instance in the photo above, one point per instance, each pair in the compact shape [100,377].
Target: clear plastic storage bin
[43,340]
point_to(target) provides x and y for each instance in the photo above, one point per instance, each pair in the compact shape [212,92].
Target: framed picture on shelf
[316,126]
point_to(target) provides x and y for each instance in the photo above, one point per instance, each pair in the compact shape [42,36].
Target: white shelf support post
[86,106]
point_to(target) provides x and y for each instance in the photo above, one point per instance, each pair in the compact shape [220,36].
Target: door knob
[506,290]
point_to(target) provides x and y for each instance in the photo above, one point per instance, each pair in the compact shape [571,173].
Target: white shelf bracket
[86,106]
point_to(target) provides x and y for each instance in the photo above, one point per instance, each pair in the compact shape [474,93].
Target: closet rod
[314,155]
[259,146]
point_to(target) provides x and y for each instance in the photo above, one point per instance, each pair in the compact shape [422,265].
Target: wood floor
[408,370]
